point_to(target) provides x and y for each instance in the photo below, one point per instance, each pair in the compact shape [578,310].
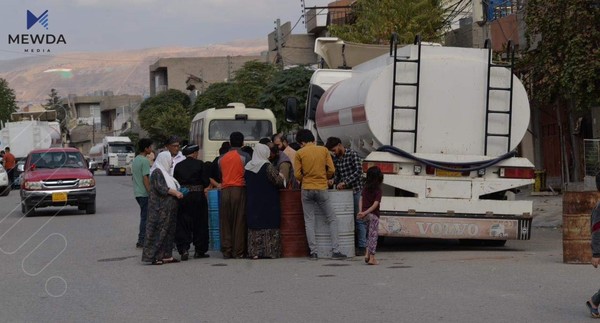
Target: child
[369,204]
[594,301]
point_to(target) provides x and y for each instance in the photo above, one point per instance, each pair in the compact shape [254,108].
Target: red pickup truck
[57,177]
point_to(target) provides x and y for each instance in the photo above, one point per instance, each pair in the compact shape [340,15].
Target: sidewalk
[547,210]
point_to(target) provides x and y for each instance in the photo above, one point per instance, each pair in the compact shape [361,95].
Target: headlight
[88,182]
[32,185]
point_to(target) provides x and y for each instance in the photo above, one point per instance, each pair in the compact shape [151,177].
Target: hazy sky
[108,25]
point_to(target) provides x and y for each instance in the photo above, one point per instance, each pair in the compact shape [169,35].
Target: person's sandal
[593,311]
[157,262]
[170,261]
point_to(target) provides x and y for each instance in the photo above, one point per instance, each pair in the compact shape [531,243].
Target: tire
[27,210]
[91,208]
[5,190]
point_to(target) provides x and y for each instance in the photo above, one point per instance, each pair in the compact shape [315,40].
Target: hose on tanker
[470,166]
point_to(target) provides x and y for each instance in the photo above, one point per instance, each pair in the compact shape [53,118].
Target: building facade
[178,72]
[92,117]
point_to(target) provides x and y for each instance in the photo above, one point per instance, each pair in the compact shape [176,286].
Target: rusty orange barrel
[293,234]
[577,210]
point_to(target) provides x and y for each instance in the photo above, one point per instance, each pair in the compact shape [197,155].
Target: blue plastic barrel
[214,198]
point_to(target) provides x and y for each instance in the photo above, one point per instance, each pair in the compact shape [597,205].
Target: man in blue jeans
[140,170]
[348,175]
[312,167]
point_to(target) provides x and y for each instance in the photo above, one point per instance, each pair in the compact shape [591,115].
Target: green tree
[563,58]
[566,61]
[250,81]
[8,103]
[166,114]
[215,95]
[292,82]
[372,22]
[54,102]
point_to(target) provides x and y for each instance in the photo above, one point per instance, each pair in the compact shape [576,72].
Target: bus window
[252,129]
[197,132]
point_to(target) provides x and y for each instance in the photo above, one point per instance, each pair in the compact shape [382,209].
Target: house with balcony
[92,117]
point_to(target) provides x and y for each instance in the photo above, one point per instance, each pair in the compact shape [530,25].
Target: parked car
[57,177]
[18,171]
[4,185]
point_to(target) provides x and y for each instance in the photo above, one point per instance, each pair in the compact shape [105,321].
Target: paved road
[70,267]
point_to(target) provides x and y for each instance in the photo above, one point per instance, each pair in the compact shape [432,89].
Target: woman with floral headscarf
[262,205]
[162,212]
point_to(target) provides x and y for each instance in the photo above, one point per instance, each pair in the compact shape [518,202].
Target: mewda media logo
[37,43]
[32,19]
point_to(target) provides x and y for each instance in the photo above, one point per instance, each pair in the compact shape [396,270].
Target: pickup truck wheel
[27,210]
[91,208]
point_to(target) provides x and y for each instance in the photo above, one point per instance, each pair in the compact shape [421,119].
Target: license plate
[447,173]
[59,197]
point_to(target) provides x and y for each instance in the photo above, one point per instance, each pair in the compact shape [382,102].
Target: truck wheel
[481,243]
[494,243]
[27,210]
[91,208]
[5,191]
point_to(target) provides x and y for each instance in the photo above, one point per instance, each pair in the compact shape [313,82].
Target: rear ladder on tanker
[395,107]
[510,53]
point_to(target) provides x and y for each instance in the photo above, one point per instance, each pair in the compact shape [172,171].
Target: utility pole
[229,68]
[278,42]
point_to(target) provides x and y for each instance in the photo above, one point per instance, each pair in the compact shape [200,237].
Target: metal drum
[577,210]
[293,233]
[214,198]
[343,207]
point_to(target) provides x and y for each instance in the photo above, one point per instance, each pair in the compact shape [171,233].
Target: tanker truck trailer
[443,124]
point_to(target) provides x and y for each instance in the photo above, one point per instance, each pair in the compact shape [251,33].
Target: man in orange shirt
[232,212]
[313,166]
[9,164]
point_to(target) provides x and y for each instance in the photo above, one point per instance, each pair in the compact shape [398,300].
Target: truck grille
[122,161]
[61,184]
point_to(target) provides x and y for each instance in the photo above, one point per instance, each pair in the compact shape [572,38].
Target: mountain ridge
[122,71]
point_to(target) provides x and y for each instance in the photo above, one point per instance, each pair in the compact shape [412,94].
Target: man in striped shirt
[348,175]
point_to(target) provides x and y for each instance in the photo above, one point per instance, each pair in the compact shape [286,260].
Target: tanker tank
[451,110]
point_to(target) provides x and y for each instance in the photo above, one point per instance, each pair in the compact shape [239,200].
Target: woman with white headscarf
[162,212]
[262,205]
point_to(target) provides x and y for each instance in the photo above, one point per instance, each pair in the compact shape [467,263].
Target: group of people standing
[174,210]
[173,207]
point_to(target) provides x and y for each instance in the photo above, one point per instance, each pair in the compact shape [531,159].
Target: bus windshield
[123,148]
[252,129]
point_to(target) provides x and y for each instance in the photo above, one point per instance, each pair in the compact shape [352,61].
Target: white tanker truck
[442,123]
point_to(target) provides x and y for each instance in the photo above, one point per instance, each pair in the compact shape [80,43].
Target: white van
[210,128]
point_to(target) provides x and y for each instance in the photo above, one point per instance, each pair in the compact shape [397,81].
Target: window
[252,129]
[58,159]
[121,149]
